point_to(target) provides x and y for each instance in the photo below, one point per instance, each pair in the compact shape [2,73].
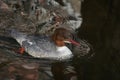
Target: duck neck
[59,43]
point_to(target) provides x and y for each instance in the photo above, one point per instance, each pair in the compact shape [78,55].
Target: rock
[3,6]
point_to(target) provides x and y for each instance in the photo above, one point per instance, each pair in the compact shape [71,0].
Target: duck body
[41,46]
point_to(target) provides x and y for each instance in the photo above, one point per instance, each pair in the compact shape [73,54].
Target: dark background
[101,27]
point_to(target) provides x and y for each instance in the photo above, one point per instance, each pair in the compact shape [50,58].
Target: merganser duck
[50,47]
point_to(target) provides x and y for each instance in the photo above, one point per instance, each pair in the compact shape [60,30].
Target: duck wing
[40,46]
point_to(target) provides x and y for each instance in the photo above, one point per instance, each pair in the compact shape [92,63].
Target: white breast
[64,52]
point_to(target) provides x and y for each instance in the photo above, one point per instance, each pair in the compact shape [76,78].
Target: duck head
[62,36]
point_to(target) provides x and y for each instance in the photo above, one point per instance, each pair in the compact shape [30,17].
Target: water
[24,67]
